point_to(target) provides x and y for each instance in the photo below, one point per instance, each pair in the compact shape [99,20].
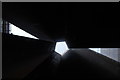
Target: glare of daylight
[61,47]
[17,31]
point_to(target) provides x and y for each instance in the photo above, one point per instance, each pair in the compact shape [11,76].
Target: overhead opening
[98,50]
[61,47]
[111,53]
[17,31]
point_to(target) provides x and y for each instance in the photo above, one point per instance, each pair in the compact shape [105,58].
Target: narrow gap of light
[96,50]
[17,31]
[61,47]
[111,53]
